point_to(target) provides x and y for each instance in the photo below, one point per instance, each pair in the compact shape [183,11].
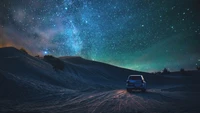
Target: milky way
[146,35]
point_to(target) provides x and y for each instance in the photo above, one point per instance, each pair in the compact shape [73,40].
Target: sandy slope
[29,84]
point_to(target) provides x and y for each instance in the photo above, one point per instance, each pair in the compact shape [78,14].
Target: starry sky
[144,35]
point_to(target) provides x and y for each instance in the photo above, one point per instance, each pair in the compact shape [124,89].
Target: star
[132,34]
[45,52]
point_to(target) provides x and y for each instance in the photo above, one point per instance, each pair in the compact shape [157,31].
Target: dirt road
[117,101]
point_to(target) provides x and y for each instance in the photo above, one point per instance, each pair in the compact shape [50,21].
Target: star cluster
[146,35]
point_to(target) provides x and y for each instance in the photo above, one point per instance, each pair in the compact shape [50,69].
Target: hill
[36,75]
[31,84]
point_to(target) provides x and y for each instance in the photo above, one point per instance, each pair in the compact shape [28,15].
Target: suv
[135,82]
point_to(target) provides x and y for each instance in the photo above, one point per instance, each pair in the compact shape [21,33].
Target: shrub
[38,56]
[198,67]
[157,73]
[55,62]
[23,50]
[182,70]
[165,71]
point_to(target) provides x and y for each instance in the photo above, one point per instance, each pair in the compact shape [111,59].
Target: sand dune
[29,84]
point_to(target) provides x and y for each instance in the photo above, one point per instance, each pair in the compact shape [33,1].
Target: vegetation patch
[55,62]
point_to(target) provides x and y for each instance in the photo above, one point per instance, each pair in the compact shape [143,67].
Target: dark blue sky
[146,35]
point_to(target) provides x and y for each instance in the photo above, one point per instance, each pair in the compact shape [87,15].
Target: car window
[135,78]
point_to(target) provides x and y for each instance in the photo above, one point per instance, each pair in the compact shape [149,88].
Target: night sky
[145,35]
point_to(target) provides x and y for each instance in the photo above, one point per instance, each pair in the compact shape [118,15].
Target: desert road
[116,101]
